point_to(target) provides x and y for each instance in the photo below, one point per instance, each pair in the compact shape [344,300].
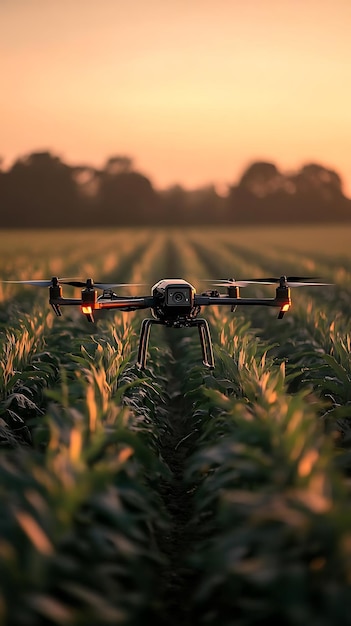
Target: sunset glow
[192,90]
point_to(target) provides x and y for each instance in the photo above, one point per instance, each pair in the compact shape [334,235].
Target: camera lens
[178,296]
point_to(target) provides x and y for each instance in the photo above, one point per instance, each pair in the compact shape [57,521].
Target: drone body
[173,303]
[173,300]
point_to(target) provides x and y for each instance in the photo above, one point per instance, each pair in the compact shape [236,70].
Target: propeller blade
[298,279]
[307,284]
[37,283]
[73,282]
[237,283]
[291,281]
[231,282]
[263,281]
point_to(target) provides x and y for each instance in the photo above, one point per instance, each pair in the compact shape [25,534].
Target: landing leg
[144,341]
[205,341]
[204,334]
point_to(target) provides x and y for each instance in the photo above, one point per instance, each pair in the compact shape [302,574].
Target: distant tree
[174,205]
[119,165]
[317,195]
[87,179]
[204,206]
[39,190]
[245,201]
[265,195]
[316,179]
[195,207]
[261,179]
[125,196]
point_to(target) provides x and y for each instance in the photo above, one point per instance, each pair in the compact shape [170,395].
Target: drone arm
[281,301]
[56,302]
[126,304]
[225,300]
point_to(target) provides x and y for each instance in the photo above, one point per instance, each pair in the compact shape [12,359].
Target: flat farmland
[176,494]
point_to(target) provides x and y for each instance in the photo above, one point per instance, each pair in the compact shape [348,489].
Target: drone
[173,302]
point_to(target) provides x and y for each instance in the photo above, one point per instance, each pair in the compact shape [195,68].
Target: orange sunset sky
[192,90]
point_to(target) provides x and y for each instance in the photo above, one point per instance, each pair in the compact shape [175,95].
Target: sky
[192,90]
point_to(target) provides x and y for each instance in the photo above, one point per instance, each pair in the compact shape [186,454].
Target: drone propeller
[73,282]
[231,282]
[285,281]
[40,283]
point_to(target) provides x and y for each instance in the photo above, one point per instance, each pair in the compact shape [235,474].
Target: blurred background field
[321,240]
[330,239]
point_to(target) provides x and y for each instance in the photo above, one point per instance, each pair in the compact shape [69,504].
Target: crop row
[274,504]
[122,490]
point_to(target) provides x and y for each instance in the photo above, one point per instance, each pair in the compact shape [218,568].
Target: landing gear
[204,334]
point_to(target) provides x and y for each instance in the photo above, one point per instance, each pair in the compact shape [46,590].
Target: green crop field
[176,495]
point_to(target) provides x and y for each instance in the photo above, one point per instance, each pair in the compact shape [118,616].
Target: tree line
[40,190]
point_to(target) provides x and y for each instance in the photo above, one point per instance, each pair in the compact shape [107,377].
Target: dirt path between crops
[177,577]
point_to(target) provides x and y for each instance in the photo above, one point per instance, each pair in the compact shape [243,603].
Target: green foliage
[174,495]
[273,512]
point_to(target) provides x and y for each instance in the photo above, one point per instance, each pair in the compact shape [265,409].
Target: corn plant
[176,494]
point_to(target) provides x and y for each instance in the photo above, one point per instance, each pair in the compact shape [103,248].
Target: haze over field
[193,91]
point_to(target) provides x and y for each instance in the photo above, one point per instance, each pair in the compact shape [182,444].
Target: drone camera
[173,297]
[178,296]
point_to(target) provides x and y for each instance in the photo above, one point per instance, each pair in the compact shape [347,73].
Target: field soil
[177,577]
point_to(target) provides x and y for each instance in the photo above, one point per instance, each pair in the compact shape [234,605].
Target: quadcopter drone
[173,303]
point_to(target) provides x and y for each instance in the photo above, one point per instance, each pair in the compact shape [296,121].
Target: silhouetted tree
[119,165]
[316,194]
[260,179]
[173,203]
[264,194]
[313,178]
[39,191]
[193,208]
[87,179]
[125,196]
[204,206]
